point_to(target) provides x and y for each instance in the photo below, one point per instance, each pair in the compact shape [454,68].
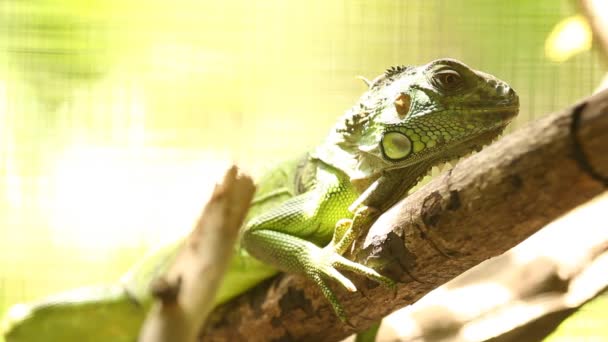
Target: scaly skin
[308,211]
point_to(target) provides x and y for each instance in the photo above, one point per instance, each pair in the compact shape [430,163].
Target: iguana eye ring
[447,80]
[396,146]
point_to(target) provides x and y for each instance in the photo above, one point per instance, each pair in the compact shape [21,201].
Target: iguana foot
[326,263]
[293,254]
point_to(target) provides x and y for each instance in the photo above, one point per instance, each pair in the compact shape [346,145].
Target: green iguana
[307,212]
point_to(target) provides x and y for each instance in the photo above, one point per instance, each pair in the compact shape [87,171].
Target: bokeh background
[116,116]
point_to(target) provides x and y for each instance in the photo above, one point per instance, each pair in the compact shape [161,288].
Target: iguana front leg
[379,196]
[291,236]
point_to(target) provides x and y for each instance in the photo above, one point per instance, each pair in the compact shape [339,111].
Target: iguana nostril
[504,90]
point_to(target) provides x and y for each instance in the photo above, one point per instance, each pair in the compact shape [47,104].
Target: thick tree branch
[185,294]
[484,206]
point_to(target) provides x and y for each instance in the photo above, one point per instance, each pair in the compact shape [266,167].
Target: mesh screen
[115,116]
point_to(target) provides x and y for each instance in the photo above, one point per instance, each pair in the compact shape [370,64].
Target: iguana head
[419,115]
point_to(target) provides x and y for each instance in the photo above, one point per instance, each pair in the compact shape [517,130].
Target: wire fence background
[116,116]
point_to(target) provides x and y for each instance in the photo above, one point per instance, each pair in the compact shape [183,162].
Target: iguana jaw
[461,148]
[416,170]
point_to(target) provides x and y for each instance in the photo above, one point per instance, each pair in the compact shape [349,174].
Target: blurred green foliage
[114,113]
[587,324]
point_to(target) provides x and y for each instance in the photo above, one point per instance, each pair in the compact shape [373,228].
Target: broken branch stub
[185,293]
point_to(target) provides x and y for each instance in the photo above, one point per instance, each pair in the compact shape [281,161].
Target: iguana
[306,212]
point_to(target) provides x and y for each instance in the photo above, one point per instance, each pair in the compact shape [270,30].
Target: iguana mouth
[509,109]
[504,113]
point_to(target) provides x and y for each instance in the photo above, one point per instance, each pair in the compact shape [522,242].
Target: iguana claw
[330,259]
[326,264]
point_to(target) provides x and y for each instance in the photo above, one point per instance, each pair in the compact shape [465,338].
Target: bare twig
[597,15]
[185,294]
[483,207]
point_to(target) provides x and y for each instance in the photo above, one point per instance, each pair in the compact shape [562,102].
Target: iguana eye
[396,145]
[447,80]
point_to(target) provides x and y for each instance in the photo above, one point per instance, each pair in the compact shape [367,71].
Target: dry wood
[521,295]
[595,12]
[484,206]
[185,294]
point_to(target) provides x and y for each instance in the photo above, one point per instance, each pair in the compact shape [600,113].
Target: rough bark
[185,293]
[521,295]
[487,204]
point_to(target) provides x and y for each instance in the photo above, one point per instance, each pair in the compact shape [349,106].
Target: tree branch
[185,294]
[484,206]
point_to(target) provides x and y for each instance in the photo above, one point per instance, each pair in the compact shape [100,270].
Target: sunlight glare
[16,313]
[469,301]
[104,198]
[487,327]
[568,38]
[8,170]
